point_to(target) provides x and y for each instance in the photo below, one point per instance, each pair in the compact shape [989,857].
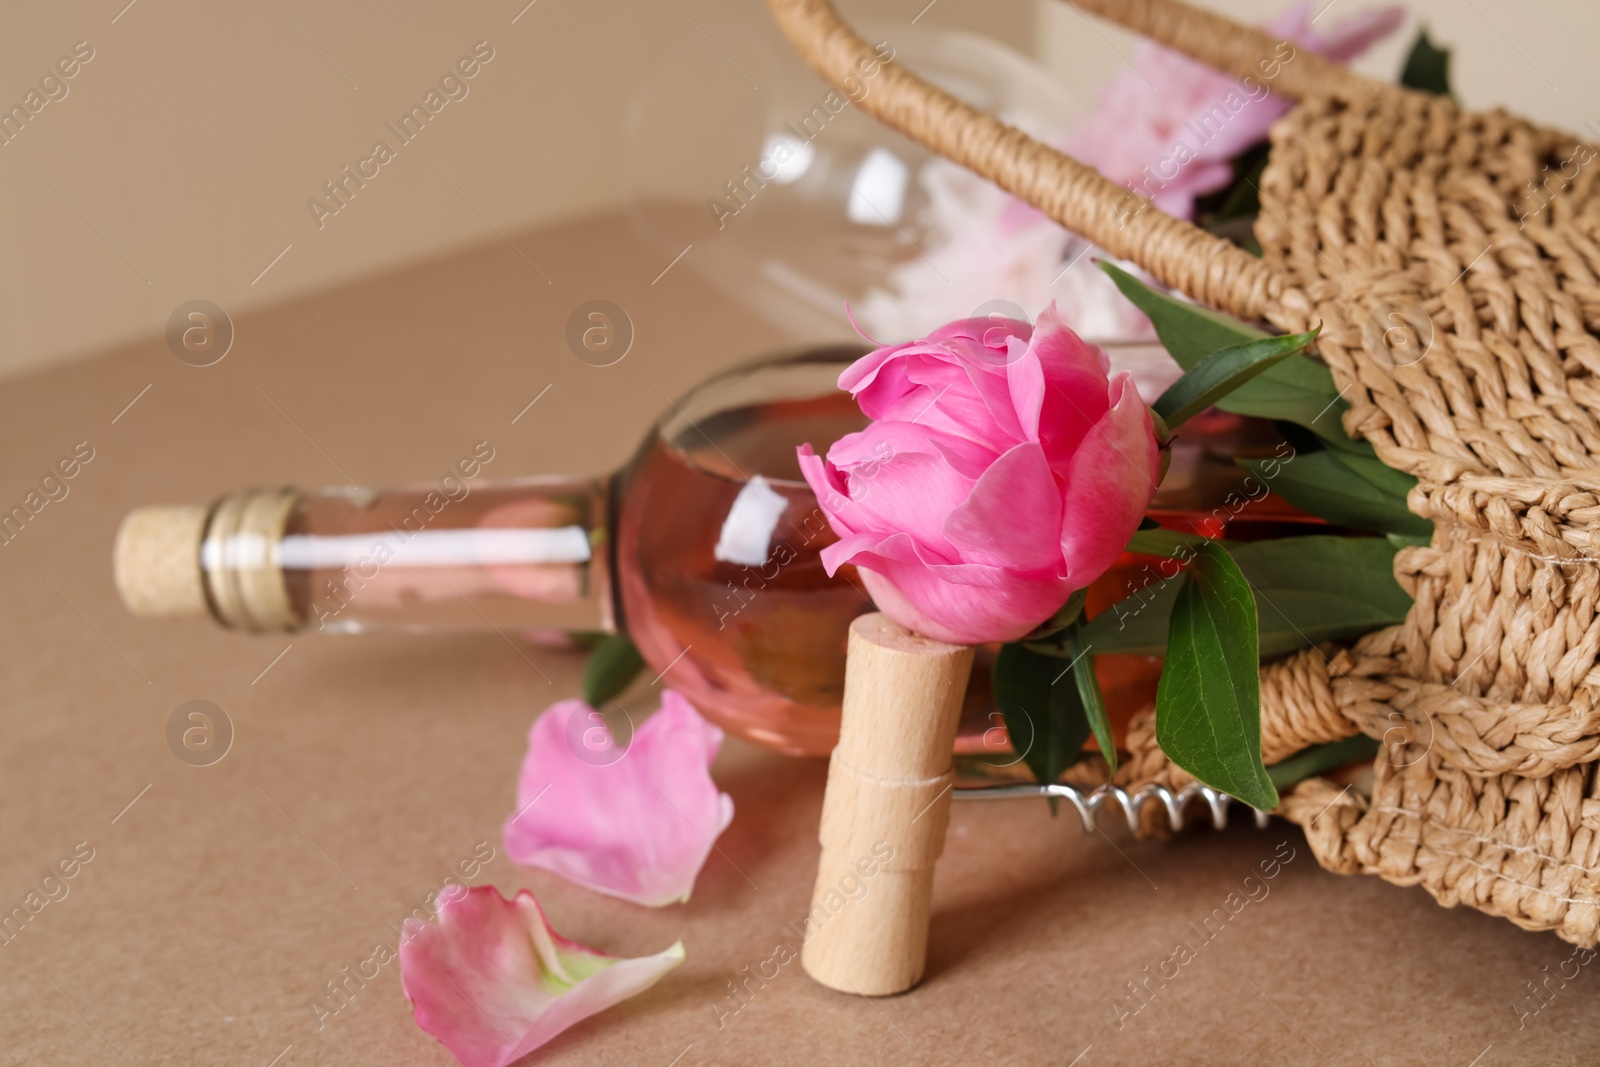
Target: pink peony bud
[1003,470]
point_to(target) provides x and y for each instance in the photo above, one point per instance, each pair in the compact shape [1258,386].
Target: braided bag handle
[1180,255]
[1225,45]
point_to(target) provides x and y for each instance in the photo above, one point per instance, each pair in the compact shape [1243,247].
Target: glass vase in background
[782,193]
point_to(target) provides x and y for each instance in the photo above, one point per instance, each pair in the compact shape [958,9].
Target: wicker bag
[1378,201]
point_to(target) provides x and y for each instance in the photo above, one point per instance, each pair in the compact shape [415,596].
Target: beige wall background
[176,164]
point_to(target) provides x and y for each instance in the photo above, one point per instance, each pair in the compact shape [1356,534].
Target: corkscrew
[1088,804]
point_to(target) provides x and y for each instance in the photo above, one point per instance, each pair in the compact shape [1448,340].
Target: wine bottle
[704,549]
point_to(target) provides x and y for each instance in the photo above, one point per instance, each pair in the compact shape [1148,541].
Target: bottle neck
[525,557]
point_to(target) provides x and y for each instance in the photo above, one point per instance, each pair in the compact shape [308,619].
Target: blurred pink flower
[492,982]
[984,248]
[1003,470]
[1169,127]
[635,820]
[983,244]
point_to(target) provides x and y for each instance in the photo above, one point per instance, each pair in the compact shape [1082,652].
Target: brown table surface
[218,904]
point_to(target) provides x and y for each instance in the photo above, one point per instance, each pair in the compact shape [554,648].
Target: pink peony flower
[1168,127]
[492,982]
[1003,470]
[635,820]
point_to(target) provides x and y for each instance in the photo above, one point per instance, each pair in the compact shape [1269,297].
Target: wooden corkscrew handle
[885,810]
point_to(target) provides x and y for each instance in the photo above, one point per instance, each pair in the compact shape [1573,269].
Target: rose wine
[704,548]
[761,634]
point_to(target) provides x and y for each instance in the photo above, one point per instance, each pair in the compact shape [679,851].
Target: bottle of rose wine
[704,549]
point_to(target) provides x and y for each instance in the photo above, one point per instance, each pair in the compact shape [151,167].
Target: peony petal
[919,385]
[1027,385]
[637,824]
[963,603]
[847,549]
[1350,37]
[911,493]
[492,982]
[1345,39]
[1059,387]
[1002,428]
[1113,476]
[828,484]
[1061,351]
[953,382]
[988,331]
[1012,517]
[882,441]
[924,600]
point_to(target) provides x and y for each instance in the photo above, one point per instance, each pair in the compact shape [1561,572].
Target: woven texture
[1371,208]
[1459,316]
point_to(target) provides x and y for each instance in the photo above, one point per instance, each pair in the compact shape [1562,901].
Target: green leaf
[613,664]
[1345,489]
[1316,589]
[1064,617]
[1300,391]
[1378,473]
[1308,590]
[1427,67]
[1189,331]
[1094,702]
[1319,758]
[1137,624]
[1043,712]
[1208,703]
[1223,372]
[1241,200]
[1162,542]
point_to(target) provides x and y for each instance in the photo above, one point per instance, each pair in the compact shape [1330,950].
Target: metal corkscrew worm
[1132,804]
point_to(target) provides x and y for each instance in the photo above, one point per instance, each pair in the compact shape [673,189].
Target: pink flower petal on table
[492,982]
[637,825]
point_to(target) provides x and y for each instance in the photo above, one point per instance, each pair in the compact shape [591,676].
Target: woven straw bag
[1379,201]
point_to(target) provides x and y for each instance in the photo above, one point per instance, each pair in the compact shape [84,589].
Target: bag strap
[1225,45]
[1179,254]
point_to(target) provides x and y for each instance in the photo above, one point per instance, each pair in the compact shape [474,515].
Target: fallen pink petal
[635,820]
[492,981]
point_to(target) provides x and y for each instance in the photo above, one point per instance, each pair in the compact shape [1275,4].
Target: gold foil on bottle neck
[244,578]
